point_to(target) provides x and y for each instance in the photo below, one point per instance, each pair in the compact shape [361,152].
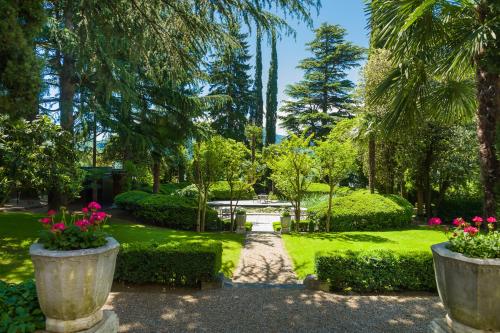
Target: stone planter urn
[72,287]
[285,224]
[241,219]
[470,291]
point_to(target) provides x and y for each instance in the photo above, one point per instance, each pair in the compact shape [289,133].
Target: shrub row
[362,210]
[369,271]
[220,191]
[19,309]
[166,210]
[174,264]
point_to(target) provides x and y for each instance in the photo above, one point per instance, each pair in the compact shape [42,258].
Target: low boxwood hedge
[220,191]
[383,270]
[185,263]
[166,210]
[362,210]
[19,309]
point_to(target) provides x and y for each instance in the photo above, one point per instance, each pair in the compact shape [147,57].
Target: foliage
[170,211]
[277,226]
[137,175]
[228,73]
[19,309]
[36,155]
[74,231]
[272,94]
[293,166]
[364,211]
[323,96]
[248,226]
[460,205]
[257,115]
[375,271]
[186,263]
[480,246]
[304,226]
[219,191]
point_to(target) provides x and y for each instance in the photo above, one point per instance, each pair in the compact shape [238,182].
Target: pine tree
[258,116]
[323,96]
[272,94]
[229,76]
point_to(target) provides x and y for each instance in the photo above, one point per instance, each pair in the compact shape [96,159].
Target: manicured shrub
[362,210]
[277,226]
[248,226]
[19,309]
[465,207]
[304,226]
[166,188]
[170,211]
[322,188]
[186,263]
[220,191]
[369,271]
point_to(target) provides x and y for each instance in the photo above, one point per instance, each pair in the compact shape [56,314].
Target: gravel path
[272,310]
[264,260]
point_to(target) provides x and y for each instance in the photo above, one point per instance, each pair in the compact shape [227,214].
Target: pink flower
[45,220]
[51,212]
[434,221]
[58,227]
[491,219]
[94,206]
[471,230]
[458,221]
[477,219]
[85,210]
[82,224]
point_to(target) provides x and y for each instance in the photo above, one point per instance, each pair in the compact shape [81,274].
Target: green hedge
[369,271]
[175,263]
[466,207]
[166,210]
[362,210]
[220,191]
[19,309]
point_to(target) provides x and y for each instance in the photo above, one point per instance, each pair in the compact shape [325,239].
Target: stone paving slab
[272,310]
[264,260]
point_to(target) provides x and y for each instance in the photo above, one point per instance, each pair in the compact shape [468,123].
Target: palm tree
[449,42]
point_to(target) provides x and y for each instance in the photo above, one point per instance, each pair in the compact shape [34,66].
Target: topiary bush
[186,263]
[166,210]
[370,271]
[362,210]
[220,191]
[19,309]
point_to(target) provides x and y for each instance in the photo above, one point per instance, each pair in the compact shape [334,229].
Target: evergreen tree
[272,94]
[323,96]
[229,76]
[258,116]
[20,84]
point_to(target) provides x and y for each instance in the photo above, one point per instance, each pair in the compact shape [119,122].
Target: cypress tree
[323,96]
[258,117]
[272,94]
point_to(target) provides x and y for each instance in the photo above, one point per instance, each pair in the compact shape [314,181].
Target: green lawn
[19,230]
[303,247]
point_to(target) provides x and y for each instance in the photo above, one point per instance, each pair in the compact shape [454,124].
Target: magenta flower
[94,206]
[85,210]
[458,221]
[51,212]
[471,230]
[434,221]
[58,227]
[45,220]
[477,219]
[491,219]
[82,224]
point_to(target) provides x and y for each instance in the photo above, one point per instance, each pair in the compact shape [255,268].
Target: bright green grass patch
[19,230]
[303,247]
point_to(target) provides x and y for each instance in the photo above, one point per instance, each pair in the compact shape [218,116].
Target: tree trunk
[231,212]
[198,215]
[371,163]
[66,78]
[156,175]
[94,158]
[420,202]
[487,118]
[297,215]
[329,212]
[204,210]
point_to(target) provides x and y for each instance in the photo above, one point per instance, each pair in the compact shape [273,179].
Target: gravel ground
[264,260]
[272,310]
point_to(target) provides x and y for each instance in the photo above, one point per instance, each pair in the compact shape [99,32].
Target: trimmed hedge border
[166,210]
[362,211]
[185,264]
[376,271]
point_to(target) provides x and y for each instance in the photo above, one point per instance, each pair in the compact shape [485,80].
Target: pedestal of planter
[241,219]
[285,224]
[447,325]
[108,324]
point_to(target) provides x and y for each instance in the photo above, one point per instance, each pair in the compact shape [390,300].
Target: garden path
[262,222]
[264,260]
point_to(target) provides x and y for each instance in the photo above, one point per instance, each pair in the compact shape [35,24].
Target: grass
[19,230]
[302,248]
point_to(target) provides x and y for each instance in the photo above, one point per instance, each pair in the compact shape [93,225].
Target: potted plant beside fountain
[467,270]
[74,264]
[241,219]
[285,220]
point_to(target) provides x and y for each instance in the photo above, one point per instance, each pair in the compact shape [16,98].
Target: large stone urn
[285,220]
[470,291]
[72,287]
[241,219]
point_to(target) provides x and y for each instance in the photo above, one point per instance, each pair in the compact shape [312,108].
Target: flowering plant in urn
[74,230]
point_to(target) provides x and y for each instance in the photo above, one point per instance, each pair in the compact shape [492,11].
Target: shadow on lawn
[271,310]
[346,237]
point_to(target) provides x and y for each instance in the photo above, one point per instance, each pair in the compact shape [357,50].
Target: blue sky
[347,13]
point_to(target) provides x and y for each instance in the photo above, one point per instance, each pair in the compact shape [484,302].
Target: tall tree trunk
[371,163]
[156,175]
[420,202]
[198,215]
[487,119]
[329,211]
[94,158]
[67,78]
